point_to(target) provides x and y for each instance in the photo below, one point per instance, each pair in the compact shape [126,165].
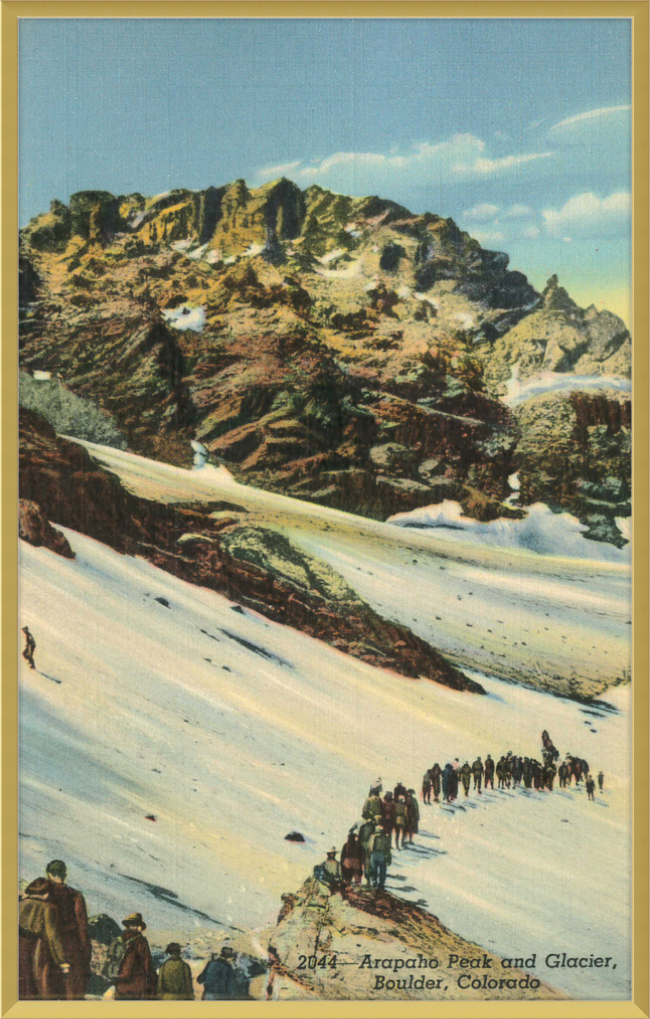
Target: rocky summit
[336,349]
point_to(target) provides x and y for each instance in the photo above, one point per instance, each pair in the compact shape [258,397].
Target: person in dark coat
[477,771]
[412,815]
[426,787]
[399,790]
[218,978]
[549,775]
[30,647]
[388,814]
[72,924]
[447,783]
[42,965]
[601,781]
[466,777]
[489,772]
[175,977]
[352,860]
[436,775]
[137,979]
[590,785]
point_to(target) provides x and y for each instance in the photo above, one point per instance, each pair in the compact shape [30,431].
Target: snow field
[126,716]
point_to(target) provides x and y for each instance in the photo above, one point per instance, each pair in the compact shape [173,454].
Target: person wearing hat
[175,977]
[71,919]
[136,979]
[218,977]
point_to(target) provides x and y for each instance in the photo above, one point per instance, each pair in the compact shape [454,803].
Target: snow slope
[232,731]
[506,611]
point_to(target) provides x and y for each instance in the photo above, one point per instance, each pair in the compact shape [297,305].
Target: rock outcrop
[34,527]
[372,945]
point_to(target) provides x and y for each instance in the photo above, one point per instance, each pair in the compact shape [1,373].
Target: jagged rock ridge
[336,349]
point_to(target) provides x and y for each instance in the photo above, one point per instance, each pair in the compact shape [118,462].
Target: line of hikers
[367,850]
[55,952]
[510,770]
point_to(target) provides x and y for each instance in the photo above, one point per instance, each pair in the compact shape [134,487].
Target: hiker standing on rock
[175,977]
[366,831]
[30,647]
[42,966]
[436,774]
[380,859]
[130,966]
[218,977]
[352,860]
[71,921]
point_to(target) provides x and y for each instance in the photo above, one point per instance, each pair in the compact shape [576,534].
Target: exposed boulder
[34,527]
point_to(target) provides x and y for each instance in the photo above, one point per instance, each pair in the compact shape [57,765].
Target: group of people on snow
[510,770]
[367,850]
[55,951]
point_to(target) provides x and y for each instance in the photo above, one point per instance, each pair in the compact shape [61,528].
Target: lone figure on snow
[30,647]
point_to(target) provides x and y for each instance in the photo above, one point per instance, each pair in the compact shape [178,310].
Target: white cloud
[587,215]
[424,165]
[280,170]
[603,111]
[481,212]
[518,211]
[485,167]
[531,232]
[488,236]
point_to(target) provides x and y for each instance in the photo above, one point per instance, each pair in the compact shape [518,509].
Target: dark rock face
[34,527]
[313,327]
[253,566]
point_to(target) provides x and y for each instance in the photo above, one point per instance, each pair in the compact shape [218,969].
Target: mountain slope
[340,350]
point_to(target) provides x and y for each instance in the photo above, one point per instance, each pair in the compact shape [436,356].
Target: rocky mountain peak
[556,298]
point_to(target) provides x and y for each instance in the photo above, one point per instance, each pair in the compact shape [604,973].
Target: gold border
[638,12]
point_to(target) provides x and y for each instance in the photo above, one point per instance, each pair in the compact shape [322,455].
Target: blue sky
[519,129]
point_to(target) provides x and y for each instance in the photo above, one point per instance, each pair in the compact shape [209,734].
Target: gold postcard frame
[638,12]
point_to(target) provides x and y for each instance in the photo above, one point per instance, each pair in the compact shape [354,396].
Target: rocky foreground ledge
[375,946]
